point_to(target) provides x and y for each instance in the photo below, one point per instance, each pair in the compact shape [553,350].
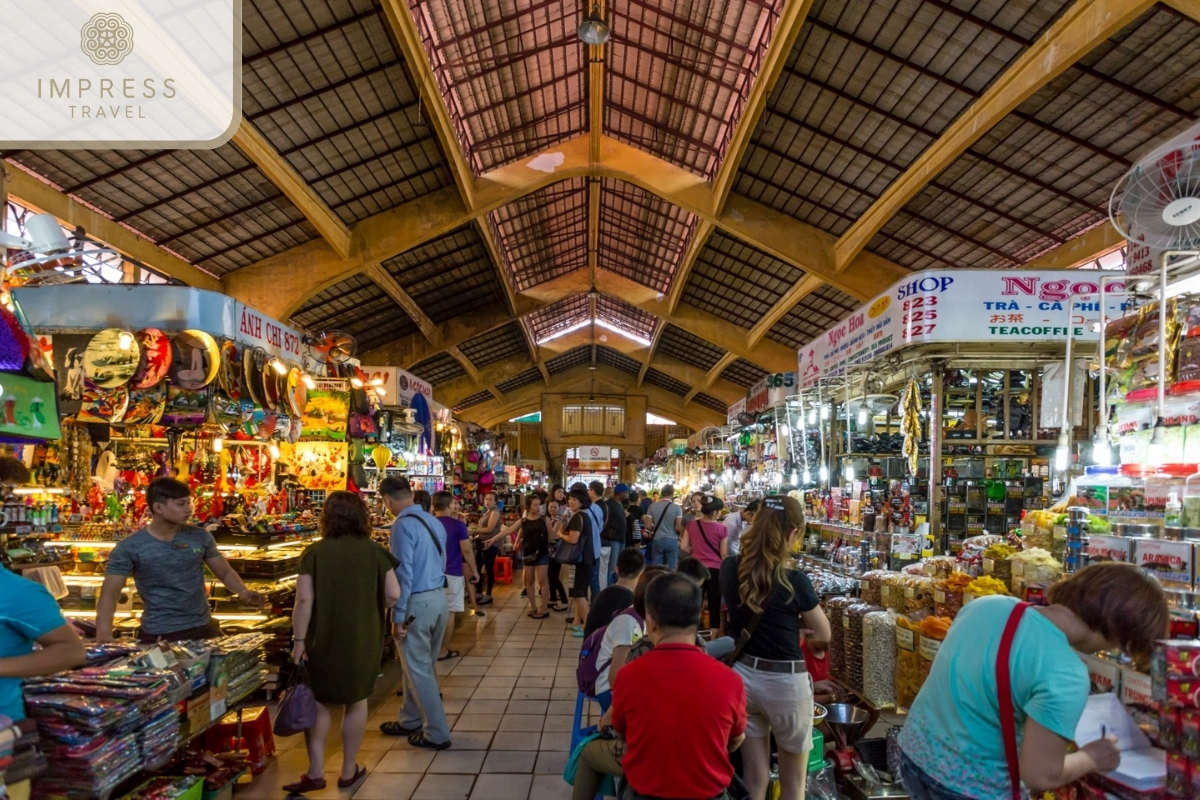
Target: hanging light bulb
[824,411]
[1156,451]
[823,473]
[850,473]
[356,382]
[783,429]
[273,449]
[309,383]
[862,415]
[218,444]
[712,477]
[777,479]
[125,340]
[377,381]
[1062,457]
[807,479]
[795,478]
[279,367]
[1102,451]
[812,416]
[593,29]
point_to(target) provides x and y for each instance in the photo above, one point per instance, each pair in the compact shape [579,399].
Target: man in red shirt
[675,693]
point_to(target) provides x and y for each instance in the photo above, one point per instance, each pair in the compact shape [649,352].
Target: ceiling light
[273,449]
[279,367]
[807,477]
[812,416]
[824,474]
[377,381]
[593,29]
[218,444]
[356,382]
[824,411]
[309,383]
[783,429]
[862,415]
[850,473]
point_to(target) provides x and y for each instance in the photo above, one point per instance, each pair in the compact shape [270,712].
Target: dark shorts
[583,579]
[536,560]
[210,631]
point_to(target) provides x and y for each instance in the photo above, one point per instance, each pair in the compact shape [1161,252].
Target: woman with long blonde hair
[769,604]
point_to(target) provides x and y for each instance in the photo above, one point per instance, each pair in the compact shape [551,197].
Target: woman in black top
[554,521]
[757,583]
[579,526]
[534,543]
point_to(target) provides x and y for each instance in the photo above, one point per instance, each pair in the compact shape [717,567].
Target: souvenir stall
[122,384]
[948,407]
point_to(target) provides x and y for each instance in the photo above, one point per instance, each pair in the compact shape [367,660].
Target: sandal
[419,739]
[305,784]
[577,633]
[394,728]
[449,655]
[540,616]
[559,609]
[360,772]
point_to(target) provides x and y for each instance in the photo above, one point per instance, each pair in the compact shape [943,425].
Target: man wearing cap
[613,536]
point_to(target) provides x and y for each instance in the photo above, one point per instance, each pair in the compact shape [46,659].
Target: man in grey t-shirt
[166,560]
[661,523]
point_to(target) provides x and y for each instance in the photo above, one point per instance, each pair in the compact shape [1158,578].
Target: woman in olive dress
[345,586]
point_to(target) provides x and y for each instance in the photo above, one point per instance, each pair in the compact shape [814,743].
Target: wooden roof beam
[286,179]
[806,286]
[270,285]
[383,279]
[1085,25]
[39,195]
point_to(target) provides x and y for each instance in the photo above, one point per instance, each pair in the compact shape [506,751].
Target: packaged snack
[933,633]
[1170,724]
[1176,658]
[1179,776]
[908,664]
[871,586]
[1189,733]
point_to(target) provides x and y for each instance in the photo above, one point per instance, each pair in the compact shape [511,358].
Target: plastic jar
[837,641]
[908,663]
[871,586]
[853,622]
[933,633]
[879,658]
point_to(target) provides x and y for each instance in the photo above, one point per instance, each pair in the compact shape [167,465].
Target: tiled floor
[510,700]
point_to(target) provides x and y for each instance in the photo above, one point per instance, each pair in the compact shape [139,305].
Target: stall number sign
[1009,306]
[123,74]
[770,391]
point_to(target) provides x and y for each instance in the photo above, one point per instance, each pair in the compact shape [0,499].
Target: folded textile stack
[101,725]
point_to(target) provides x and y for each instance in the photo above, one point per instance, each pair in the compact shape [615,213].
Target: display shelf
[36,565]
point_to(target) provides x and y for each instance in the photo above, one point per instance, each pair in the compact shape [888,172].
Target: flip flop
[540,616]
[449,655]
[578,634]
[360,772]
[418,739]
[394,728]
[305,784]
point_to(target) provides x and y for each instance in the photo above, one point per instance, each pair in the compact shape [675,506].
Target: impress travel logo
[120,73]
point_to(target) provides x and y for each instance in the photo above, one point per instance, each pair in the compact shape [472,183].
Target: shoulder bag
[657,524]
[1008,714]
[572,552]
[297,710]
[438,546]
[733,655]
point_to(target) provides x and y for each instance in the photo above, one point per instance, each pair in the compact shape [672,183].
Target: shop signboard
[79,308]
[399,386]
[327,414]
[963,306]
[732,413]
[770,392]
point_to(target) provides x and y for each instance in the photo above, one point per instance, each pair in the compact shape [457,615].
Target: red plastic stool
[504,570]
[256,736]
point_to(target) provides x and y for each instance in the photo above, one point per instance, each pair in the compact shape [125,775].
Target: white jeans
[605,555]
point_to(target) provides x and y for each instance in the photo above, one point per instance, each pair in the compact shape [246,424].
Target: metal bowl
[819,713]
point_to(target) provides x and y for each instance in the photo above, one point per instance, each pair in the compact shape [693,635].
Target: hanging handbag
[733,655]
[297,711]
[572,552]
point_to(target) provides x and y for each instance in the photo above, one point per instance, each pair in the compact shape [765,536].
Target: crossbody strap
[744,638]
[704,536]
[432,536]
[1008,716]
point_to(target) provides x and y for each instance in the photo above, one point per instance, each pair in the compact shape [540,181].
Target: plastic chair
[578,731]
[504,570]
[249,728]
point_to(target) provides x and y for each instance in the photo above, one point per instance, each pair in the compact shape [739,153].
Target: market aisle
[510,700]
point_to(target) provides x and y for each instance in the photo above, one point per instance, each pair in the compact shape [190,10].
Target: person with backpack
[657,702]
[660,525]
[618,596]
[707,539]
[611,643]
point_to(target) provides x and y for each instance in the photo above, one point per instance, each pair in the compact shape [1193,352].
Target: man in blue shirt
[418,542]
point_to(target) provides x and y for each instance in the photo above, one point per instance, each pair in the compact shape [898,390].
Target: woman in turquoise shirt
[952,743]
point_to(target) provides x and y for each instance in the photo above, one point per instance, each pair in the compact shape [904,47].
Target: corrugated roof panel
[688,348]
[359,307]
[708,401]
[496,345]
[737,282]
[474,400]
[664,381]
[526,378]
[450,275]
[438,368]
[556,318]
[544,234]
[616,311]
[743,373]
[642,236]
[617,359]
[572,358]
